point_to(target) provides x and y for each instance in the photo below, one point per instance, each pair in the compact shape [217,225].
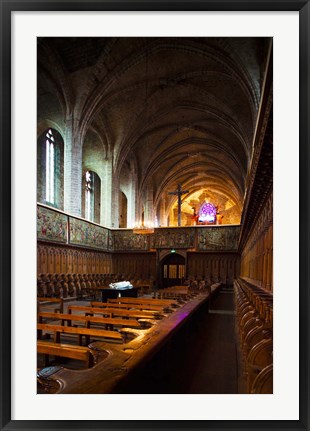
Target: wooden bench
[129,306]
[125,306]
[172,293]
[144,287]
[87,332]
[65,351]
[111,312]
[45,302]
[69,318]
[150,301]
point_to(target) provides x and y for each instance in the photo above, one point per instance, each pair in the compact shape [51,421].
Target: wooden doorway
[172,270]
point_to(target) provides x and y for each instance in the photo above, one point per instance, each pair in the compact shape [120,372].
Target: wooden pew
[110,305]
[87,332]
[151,301]
[45,302]
[65,351]
[69,318]
[111,312]
[171,293]
[129,306]
[144,287]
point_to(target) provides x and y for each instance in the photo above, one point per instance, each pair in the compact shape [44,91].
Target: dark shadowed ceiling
[175,110]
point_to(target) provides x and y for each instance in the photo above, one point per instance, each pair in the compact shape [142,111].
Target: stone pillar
[106,194]
[162,213]
[72,170]
[172,219]
[131,204]
[131,199]
[114,206]
[149,208]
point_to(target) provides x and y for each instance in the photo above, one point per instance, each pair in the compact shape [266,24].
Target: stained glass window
[207,213]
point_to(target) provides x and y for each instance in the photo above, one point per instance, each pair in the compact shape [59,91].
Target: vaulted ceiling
[174,110]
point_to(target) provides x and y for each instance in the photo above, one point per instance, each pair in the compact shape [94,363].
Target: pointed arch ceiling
[184,109]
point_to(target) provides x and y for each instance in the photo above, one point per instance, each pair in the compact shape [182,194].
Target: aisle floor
[218,366]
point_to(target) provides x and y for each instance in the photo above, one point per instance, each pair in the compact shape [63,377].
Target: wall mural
[218,238]
[173,238]
[127,240]
[90,235]
[51,225]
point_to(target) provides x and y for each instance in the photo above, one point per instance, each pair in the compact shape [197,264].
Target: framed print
[137,157]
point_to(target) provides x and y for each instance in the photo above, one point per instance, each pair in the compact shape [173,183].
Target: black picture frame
[7,7]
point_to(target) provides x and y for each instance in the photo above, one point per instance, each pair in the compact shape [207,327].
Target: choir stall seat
[259,357]
[263,383]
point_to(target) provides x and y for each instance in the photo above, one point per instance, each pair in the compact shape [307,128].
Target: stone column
[149,208]
[131,200]
[114,205]
[162,213]
[72,170]
[106,194]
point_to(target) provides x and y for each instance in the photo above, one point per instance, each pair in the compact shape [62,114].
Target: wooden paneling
[56,259]
[142,264]
[257,255]
[222,267]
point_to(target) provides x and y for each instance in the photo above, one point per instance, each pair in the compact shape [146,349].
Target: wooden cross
[179,193]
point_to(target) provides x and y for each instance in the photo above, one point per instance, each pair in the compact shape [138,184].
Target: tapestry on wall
[218,238]
[51,225]
[90,235]
[173,238]
[127,240]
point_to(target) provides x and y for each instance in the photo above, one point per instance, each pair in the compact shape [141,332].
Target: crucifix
[179,192]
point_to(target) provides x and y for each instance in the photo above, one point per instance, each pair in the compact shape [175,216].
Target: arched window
[50,169]
[207,213]
[91,196]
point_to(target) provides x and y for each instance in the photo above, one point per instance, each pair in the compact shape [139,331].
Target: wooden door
[172,270]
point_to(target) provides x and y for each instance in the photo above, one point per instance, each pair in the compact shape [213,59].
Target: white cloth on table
[121,285]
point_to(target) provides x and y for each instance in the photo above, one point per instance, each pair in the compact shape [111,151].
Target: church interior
[154,215]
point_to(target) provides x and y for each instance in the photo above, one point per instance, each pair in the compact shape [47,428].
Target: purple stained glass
[207,212]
